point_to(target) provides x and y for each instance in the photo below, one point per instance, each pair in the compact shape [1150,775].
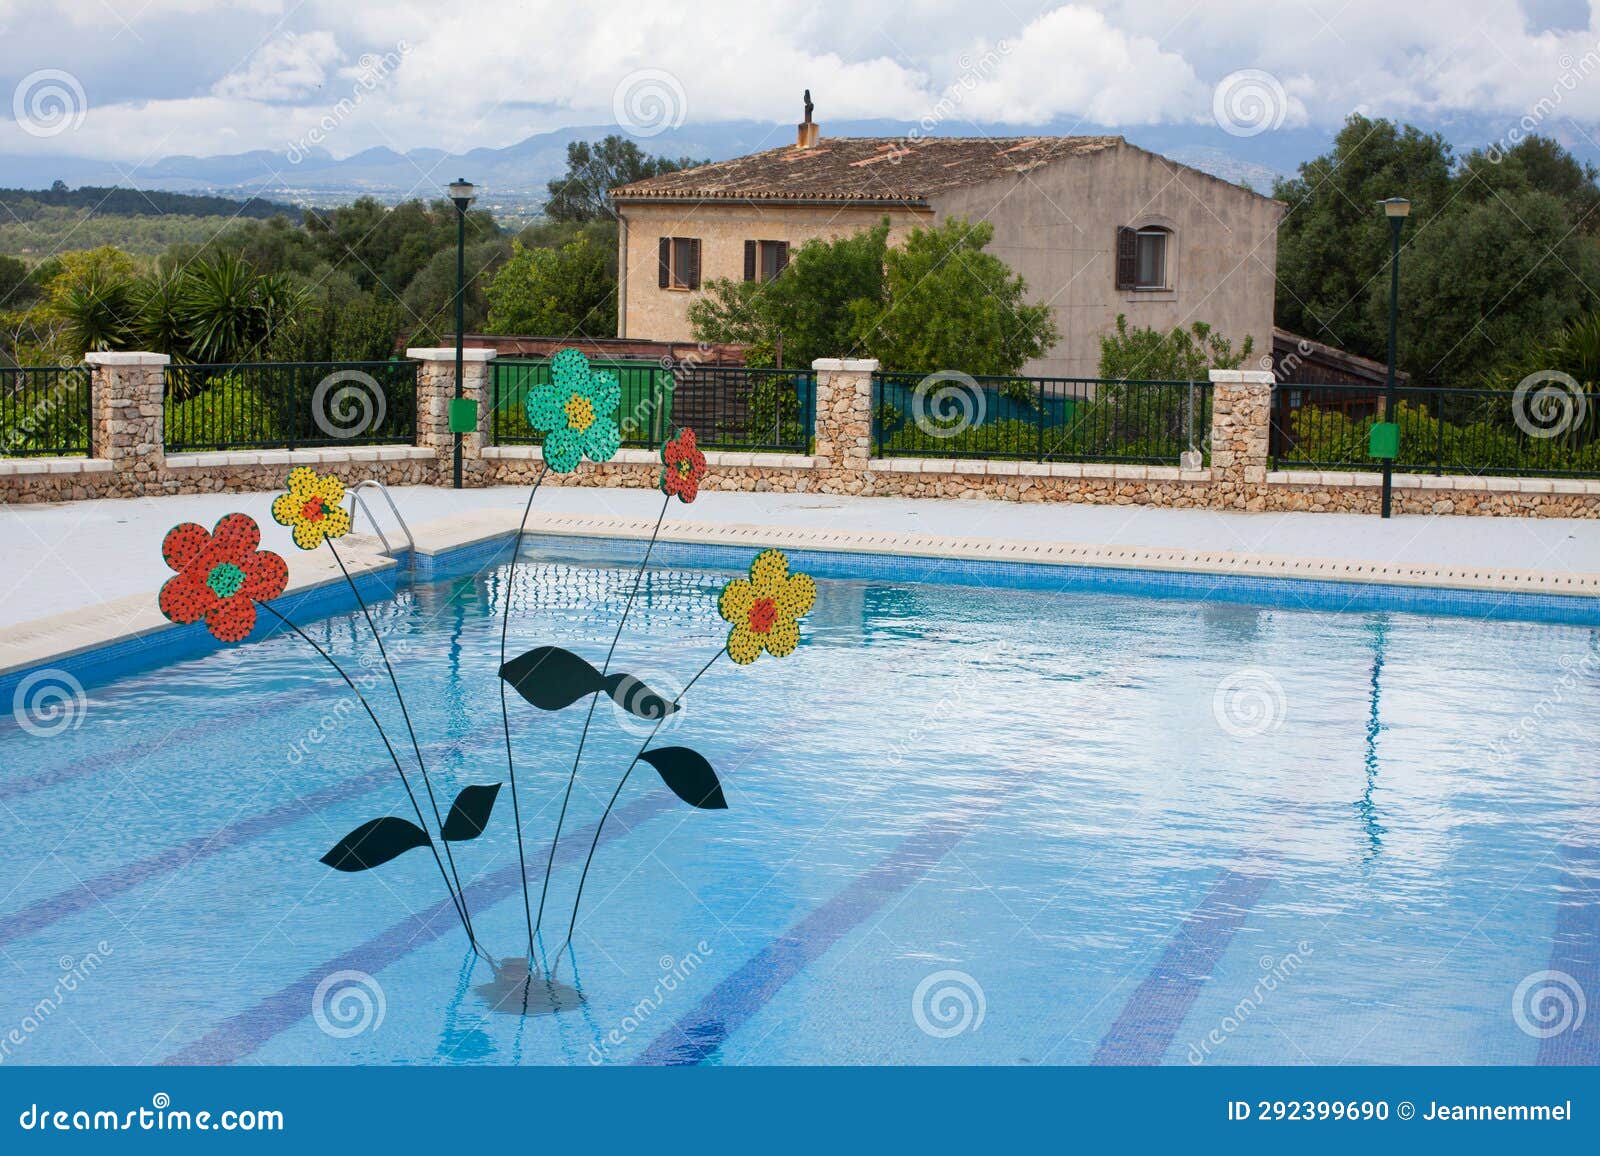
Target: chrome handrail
[357,500]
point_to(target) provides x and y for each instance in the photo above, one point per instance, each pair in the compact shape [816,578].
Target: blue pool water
[966,824]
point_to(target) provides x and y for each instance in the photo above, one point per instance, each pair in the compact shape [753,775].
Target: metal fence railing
[46,411]
[1041,419]
[1443,430]
[641,415]
[728,407]
[284,405]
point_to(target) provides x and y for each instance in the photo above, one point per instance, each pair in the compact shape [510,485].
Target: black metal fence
[1548,429]
[283,405]
[728,407]
[46,411]
[953,415]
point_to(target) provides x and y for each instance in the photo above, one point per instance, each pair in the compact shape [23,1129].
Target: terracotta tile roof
[886,169]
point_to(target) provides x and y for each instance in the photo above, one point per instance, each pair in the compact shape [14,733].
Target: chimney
[809,132]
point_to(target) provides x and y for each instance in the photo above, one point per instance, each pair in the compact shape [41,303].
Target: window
[1142,258]
[680,263]
[764,260]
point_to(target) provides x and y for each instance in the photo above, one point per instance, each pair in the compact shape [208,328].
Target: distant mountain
[517,174]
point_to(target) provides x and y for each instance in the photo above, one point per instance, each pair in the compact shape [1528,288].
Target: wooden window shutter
[749,260]
[665,278]
[1127,257]
[694,263]
[783,255]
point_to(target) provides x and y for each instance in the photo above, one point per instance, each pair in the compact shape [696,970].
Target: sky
[135,80]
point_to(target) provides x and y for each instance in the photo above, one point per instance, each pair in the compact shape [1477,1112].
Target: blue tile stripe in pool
[698,1035]
[1575,962]
[1157,1008]
[242,1035]
[86,893]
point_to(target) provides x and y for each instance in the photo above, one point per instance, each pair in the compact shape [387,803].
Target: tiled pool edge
[485,537]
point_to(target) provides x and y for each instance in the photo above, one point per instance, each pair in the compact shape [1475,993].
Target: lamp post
[1396,209]
[462,193]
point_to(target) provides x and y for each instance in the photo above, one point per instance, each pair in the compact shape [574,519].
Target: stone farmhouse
[1096,226]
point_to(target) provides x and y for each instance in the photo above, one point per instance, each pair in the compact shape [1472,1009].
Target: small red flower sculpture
[221,576]
[684,467]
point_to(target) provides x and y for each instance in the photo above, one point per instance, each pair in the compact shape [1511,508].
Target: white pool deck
[101,559]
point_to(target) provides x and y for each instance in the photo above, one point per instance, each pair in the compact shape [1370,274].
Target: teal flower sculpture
[576,413]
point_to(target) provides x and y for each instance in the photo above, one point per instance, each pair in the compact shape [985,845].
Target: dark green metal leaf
[689,776]
[374,843]
[637,699]
[551,678]
[469,814]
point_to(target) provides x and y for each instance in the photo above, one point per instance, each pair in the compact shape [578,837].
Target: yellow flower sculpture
[312,508]
[765,608]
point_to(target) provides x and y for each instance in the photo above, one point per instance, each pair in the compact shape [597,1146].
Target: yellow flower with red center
[312,508]
[765,608]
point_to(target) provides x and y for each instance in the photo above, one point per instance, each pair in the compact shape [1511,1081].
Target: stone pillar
[436,388]
[1241,422]
[126,411]
[844,417]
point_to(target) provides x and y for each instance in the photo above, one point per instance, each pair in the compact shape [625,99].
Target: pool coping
[482,537]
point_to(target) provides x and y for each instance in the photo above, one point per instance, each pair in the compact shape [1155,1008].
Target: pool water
[965,826]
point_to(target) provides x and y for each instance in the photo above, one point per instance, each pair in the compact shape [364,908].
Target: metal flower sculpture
[576,413]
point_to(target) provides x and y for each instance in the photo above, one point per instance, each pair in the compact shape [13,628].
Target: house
[1096,226]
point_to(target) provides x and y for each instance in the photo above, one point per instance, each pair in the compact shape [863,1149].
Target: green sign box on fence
[1384,440]
[463,415]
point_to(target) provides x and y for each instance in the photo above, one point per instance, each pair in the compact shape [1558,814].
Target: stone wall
[127,428]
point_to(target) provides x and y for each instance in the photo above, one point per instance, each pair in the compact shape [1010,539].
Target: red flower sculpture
[684,467]
[221,576]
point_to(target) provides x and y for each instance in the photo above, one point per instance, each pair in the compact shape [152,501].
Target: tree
[812,307]
[1333,244]
[583,193]
[1482,278]
[564,292]
[949,305]
[1146,354]
[90,296]
[15,288]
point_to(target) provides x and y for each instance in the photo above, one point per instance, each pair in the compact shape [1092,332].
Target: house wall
[1057,227]
[658,314]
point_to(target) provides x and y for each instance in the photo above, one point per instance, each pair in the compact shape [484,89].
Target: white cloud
[288,68]
[489,72]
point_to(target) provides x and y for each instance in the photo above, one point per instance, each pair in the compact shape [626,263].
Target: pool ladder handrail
[357,500]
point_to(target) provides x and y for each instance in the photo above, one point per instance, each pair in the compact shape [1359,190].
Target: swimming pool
[967,823]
